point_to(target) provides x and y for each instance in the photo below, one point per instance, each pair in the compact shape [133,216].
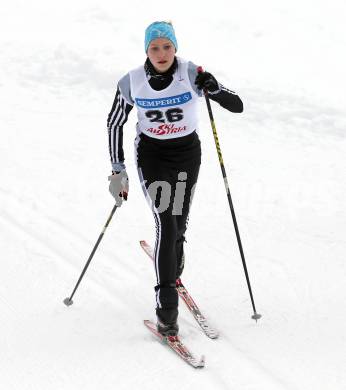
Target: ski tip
[201,363]
[213,334]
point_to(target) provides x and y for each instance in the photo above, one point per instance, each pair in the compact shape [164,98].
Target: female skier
[165,91]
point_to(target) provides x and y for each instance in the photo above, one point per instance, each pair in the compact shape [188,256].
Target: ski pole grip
[200,71]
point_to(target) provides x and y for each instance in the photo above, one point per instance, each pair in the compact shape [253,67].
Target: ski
[186,297]
[176,345]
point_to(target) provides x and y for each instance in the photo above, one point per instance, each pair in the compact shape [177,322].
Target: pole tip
[256,317]
[68,301]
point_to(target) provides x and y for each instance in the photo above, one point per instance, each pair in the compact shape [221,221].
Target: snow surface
[285,158]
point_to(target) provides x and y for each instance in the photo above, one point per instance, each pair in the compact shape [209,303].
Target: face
[161,52]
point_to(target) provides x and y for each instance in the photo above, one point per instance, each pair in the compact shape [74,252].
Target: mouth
[162,62]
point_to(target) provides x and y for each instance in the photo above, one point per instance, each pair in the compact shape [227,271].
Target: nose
[161,53]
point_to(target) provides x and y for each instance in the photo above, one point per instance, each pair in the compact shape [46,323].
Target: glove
[119,186]
[206,80]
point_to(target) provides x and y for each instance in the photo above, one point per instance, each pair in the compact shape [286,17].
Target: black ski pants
[168,171]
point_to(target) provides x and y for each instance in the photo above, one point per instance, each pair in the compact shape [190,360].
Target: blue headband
[160,30]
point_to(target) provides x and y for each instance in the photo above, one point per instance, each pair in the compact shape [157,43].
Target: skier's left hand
[206,80]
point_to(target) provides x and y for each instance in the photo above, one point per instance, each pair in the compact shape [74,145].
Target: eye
[167,47]
[155,48]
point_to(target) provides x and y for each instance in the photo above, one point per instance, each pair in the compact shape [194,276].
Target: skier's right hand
[119,186]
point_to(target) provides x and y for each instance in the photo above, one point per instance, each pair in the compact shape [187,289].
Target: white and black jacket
[123,104]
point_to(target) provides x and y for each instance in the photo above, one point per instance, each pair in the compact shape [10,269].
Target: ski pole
[255,316]
[68,301]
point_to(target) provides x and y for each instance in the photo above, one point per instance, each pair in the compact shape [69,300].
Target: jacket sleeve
[225,97]
[117,117]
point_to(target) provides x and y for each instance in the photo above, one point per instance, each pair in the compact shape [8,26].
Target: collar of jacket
[152,73]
